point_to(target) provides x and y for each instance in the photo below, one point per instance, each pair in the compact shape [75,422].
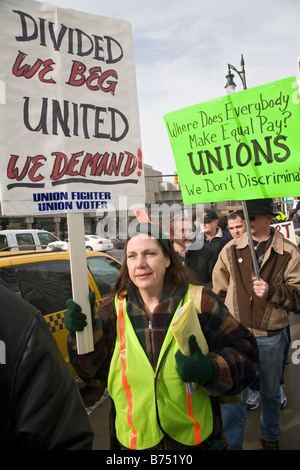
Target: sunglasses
[254,217]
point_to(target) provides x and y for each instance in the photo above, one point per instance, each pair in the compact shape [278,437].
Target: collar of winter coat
[277,241]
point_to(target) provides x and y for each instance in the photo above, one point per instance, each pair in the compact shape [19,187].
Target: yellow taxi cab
[43,278]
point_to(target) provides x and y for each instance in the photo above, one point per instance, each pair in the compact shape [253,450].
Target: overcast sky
[182,49]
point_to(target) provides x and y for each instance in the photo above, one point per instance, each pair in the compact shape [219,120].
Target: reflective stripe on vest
[150,403]
[124,379]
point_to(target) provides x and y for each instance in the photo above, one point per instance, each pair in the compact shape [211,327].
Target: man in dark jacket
[40,406]
[214,237]
[199,258]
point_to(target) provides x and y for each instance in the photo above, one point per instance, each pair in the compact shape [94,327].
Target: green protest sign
[238,147]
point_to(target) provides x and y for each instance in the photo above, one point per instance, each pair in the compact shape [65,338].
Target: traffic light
[175,177]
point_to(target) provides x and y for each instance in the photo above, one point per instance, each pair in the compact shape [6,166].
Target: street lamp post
[230,85]
[230,88]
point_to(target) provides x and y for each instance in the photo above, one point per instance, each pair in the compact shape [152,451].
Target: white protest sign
[286,229]
[70,135]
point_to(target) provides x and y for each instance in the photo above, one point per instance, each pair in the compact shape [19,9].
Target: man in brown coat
[262,305]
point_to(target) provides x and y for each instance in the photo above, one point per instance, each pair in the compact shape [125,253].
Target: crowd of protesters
[170,390]
[136,321]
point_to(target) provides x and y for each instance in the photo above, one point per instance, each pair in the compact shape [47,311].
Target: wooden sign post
[80,283]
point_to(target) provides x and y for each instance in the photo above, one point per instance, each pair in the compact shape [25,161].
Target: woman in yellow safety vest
[165,383]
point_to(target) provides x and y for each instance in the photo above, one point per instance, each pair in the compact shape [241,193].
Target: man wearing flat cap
[263,305]
[214,237]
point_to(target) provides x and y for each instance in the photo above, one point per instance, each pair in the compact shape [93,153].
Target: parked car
[95,243]
[25,239]
[92,243]
[43,278]
[119,242]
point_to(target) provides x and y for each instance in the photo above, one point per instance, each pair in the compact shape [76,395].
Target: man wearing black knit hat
[214,237]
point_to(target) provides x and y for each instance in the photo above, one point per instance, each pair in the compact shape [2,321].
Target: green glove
[196,367]
[75,320]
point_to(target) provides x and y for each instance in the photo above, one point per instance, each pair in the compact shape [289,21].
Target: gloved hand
[75,320]
[196,367]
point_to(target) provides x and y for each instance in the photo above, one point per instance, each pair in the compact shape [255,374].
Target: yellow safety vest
[152,403]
